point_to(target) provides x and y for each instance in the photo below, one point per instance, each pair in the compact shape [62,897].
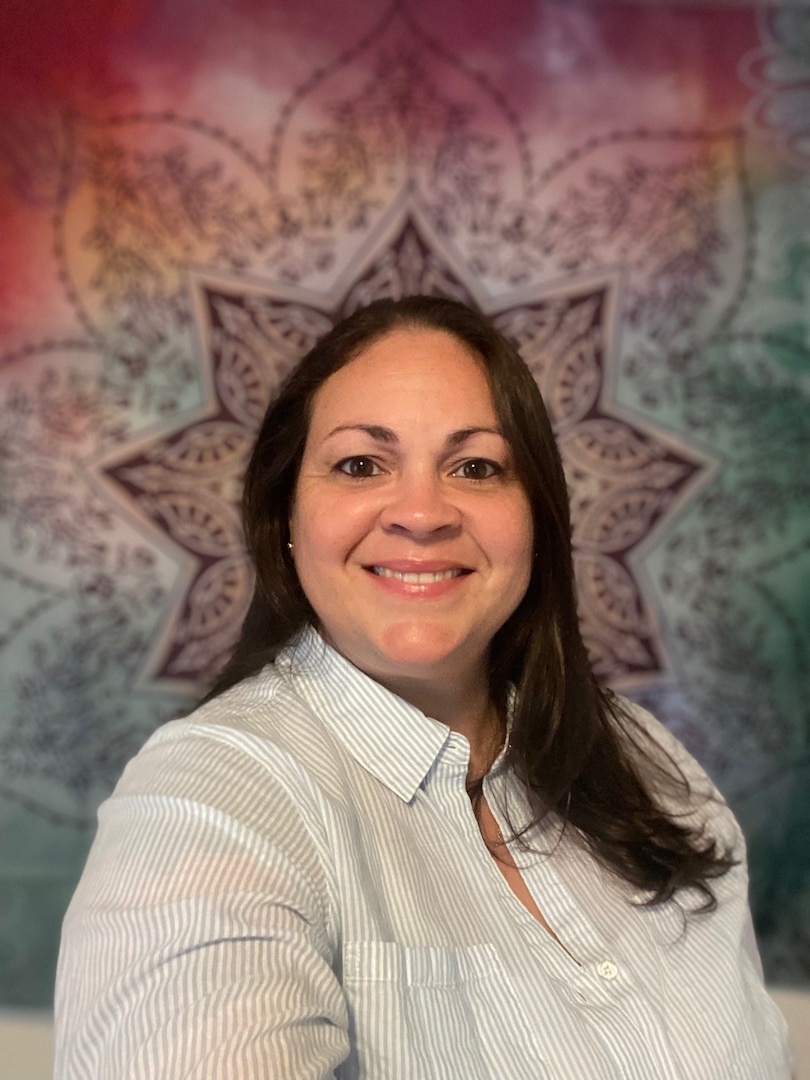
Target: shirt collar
[388,737]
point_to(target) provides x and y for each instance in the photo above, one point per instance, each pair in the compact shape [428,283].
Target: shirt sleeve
[200,941]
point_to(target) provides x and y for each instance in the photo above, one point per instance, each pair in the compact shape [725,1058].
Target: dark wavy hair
[579,752]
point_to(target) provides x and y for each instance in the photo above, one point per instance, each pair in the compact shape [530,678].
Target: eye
[359,467]
[478,469]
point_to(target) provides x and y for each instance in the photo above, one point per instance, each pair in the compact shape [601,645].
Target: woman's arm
[200,940]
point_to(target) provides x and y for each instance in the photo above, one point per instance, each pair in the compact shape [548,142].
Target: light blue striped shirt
[291,883]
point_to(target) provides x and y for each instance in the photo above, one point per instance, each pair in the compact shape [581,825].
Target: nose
[420,506]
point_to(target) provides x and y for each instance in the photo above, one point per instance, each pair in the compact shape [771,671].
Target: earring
[289,546]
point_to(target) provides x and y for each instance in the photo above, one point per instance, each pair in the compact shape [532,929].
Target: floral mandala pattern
[658,295]
[201,272]
[779,72]
[623,480]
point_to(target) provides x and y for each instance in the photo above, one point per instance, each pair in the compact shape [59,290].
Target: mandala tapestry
[623,187]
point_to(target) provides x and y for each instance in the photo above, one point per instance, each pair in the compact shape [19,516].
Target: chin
[416,648]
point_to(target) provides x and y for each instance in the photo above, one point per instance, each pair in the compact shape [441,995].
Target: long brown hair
[570,741]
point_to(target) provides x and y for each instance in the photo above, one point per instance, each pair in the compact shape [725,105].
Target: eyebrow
[386,435]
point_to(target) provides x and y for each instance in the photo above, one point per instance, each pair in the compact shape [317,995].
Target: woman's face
[412,536]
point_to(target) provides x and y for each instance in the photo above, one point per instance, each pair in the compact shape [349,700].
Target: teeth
[416,579]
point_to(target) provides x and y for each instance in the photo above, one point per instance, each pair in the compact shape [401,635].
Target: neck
[455,695]
[465,706]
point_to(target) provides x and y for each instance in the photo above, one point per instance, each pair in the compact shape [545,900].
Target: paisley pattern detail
[779,73]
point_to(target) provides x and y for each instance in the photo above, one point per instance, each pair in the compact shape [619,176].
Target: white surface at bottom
[26,1038]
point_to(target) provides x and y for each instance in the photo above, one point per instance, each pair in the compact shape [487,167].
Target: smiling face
[412,535]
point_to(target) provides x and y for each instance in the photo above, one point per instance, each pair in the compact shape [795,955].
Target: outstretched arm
[200,940]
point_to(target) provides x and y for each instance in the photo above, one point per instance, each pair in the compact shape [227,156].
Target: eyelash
[492,467]
[345,466]
[348,465]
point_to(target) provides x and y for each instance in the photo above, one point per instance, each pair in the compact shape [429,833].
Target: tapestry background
[191,193]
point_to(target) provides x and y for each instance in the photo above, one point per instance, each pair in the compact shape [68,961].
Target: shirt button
[608,970]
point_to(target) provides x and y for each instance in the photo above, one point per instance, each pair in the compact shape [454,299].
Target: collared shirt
[291,883]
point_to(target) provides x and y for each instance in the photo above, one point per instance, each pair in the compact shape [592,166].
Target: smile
[417,579]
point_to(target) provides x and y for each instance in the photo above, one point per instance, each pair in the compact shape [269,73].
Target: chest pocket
[426,1012]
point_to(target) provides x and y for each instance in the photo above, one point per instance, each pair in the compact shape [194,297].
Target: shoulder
[256,743]
[651,734]
[223,790]
[675,777]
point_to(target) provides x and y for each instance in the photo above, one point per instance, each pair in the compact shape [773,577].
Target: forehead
[408,368]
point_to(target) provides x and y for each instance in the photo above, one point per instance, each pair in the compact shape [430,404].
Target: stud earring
[289,546]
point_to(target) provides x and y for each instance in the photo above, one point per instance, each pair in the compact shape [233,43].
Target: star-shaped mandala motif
[623,479]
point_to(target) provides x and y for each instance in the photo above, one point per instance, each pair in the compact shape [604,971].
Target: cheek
[325,526]
[518,556]
[517,541]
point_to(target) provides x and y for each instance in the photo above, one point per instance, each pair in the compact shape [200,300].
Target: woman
[408,835]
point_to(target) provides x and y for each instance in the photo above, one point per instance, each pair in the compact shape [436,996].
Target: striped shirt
[291,883]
